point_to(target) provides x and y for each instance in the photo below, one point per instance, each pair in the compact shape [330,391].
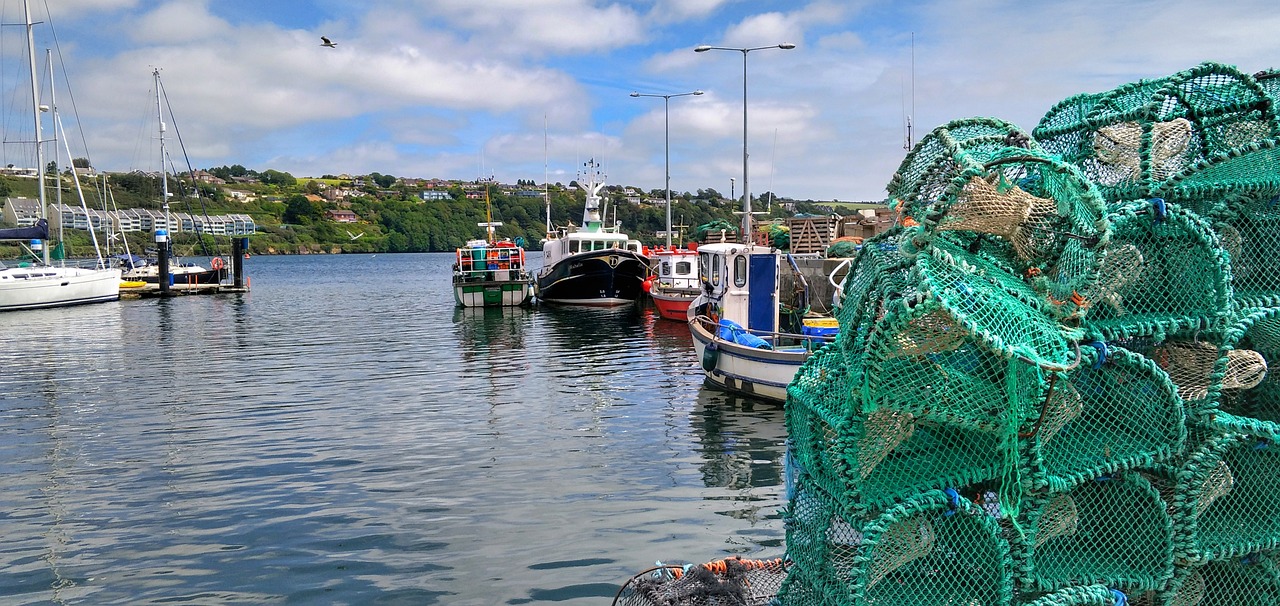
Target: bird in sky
[354,236]
[325,42]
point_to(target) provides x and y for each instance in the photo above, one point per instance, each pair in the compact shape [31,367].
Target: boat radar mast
[594,183]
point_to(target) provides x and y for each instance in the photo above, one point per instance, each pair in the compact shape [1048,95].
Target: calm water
[343,435]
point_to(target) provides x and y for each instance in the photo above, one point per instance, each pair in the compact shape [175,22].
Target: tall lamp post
[746,190]
[666,107]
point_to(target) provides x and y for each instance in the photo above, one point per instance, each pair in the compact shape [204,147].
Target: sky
[531,89]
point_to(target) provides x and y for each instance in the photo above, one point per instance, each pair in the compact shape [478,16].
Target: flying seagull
[325,42]
[354,236]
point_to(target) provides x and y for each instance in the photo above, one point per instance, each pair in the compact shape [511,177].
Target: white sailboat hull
[39,287]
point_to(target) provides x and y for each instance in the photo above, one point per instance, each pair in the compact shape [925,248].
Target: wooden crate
[812,234]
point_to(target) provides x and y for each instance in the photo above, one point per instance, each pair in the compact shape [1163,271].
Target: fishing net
[728,582]
[938,163]
[1115,411]
[1252,580]
[1089,595]
[1248,226]
[1164,273]
[1112,530]
[936,548]
[868,461]
[1256,334]
[1176,137]
[1227,499]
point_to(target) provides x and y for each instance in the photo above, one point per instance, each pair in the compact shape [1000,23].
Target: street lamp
[666,106]
[746,190]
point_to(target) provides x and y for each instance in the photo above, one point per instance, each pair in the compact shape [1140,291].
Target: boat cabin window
[665,268]
[740,271]
[633,247]
[573,246]
[715,270]
[684,267]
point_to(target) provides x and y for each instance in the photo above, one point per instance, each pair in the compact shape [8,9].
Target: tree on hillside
[299,210]
[275,177]
[382,180]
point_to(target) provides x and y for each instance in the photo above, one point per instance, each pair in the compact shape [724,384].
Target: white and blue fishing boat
[593,264]
[739,326]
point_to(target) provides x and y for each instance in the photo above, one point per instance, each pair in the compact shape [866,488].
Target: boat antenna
[768,205]
[909,142]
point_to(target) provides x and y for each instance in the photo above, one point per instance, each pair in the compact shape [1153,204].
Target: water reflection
[482,330]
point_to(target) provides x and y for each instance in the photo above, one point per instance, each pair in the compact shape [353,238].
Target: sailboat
[488,272]
[44,285]
[179,272]
[592,264]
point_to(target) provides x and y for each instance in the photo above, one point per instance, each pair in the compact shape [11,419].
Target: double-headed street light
[666,102]
[746,190]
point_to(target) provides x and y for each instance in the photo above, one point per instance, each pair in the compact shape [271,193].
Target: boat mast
[35,112]
[546,175]
[164,178]
[591,213]
[489,225]
[53,105]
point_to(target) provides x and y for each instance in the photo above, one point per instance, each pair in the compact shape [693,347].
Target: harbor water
[342,434]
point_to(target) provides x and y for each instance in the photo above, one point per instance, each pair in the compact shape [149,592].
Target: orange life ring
[217,263]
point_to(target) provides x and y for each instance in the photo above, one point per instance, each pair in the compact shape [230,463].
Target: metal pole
[666,110]
[666,107]
[746,189]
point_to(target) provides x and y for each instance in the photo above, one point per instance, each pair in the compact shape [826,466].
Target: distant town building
[21,212]
[435,194]
[145,220]
[342,216]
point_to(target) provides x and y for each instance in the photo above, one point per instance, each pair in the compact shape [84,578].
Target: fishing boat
[491,273]
[675,283]
[739,327]
[592,264]
[40,284]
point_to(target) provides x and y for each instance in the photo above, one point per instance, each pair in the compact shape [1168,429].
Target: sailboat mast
[164,178]
[35,112]
[53,107]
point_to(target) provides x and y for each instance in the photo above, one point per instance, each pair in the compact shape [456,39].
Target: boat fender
[710,357]
[647,285]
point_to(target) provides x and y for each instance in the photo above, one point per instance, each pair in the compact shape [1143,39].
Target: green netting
[943,158]
[868,461]
[1115,411]
[1257,334]
[1164,273]
[1138,140]
[1144,224]
[1227,499]
[1248,227]
[1113,530]
[1253,580]
[1089,595]
[932,549]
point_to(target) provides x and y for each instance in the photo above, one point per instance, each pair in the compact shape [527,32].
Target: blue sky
[468,88]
